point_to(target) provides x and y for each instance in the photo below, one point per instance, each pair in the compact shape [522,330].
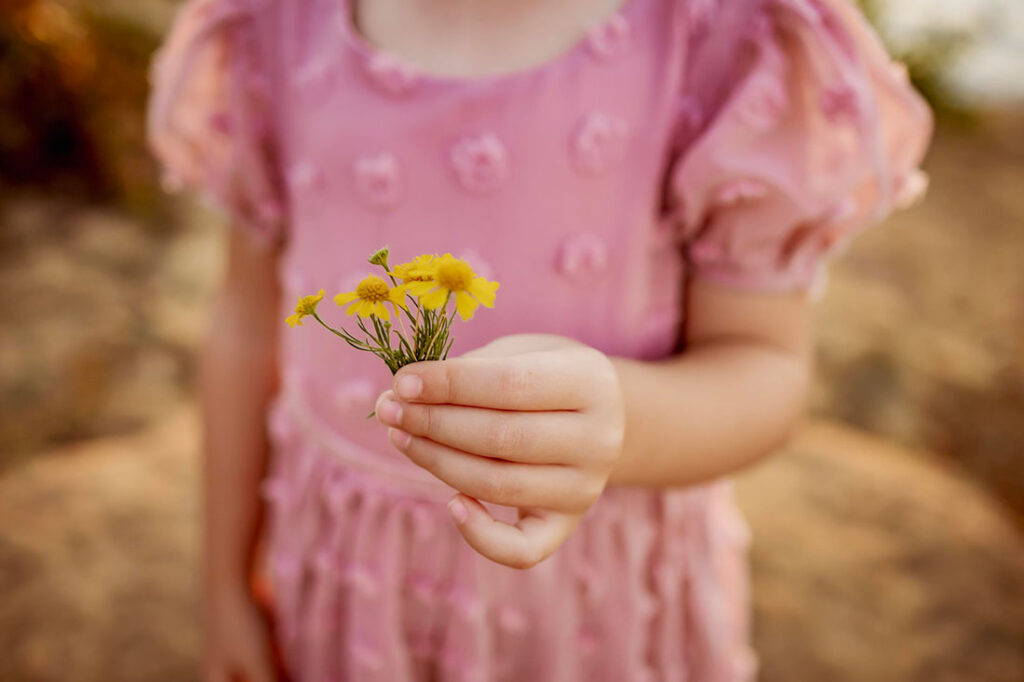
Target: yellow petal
[365,308]
[342,299]
[293,320]
[483,290]
[464,304]
[353,309]
[434,299]
[380,311]
[397,296]
[420,288]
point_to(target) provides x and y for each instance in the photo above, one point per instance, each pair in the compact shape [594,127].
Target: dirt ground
[922,330]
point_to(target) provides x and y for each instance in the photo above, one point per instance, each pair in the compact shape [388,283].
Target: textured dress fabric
[740,141]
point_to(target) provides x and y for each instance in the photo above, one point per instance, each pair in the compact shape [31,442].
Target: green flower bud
[380,257]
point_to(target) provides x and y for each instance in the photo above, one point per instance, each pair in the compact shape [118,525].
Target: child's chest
[553,172]
[370,137]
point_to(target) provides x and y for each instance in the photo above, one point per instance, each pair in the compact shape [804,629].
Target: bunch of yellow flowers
[418,292]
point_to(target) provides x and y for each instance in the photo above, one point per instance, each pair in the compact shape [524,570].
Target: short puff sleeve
[209,118]
[818,136]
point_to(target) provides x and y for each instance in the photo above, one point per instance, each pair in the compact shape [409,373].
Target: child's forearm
[707,412]
[237,381]
[238,377]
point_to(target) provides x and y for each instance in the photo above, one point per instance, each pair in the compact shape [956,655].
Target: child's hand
[237,643]
[532,421]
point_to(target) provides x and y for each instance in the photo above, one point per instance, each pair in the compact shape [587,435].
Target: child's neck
[466,38]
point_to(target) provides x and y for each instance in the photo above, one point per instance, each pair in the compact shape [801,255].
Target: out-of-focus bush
[964,55]
[72,92]
[927,58]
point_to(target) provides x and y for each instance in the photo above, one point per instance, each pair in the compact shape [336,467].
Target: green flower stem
[412,319]
[430,345]
[382,350]
[404,342]
[444,354]
[351,340]
[387,271]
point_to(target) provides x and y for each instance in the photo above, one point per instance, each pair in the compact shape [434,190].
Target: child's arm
[237,377]
[544,423]
[734,396]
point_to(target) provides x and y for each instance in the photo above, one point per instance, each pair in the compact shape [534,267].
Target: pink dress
[740,141]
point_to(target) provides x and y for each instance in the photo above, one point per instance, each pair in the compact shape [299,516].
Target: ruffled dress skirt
[372,582]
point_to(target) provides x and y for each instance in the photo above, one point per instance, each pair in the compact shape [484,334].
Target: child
[655,184]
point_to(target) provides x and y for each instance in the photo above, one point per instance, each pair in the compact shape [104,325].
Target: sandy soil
[922,330]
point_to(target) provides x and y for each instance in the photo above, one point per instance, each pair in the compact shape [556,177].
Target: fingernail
[458,511]
[399,438]
[409,386]
[389,412]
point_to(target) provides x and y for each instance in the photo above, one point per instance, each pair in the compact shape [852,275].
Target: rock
[871,564]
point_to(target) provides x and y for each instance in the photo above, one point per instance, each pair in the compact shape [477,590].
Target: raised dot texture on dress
[390,75]
[304,175]
[581,255]
[736,191]
[378,180]
[611,38]
[599,142]
[766,105]
[480,162]
[840,104]
[355,395]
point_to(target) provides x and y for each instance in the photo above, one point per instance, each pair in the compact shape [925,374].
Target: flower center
[307,305]
[372,289]
[454,276]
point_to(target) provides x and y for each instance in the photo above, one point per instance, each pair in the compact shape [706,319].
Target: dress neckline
[622,19]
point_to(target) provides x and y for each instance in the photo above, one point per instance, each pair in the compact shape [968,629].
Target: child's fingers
[532,381]
[500,482]
[530,437]
[534,538]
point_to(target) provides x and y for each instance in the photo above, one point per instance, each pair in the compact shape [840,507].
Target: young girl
[655,184]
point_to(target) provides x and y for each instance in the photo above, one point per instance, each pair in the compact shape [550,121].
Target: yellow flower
[454,276]
[370,296]
[305,306]
[421,269]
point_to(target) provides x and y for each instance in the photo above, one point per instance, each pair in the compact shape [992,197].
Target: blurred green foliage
[928,59]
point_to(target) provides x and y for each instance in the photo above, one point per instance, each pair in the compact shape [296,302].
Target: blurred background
[888,539]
